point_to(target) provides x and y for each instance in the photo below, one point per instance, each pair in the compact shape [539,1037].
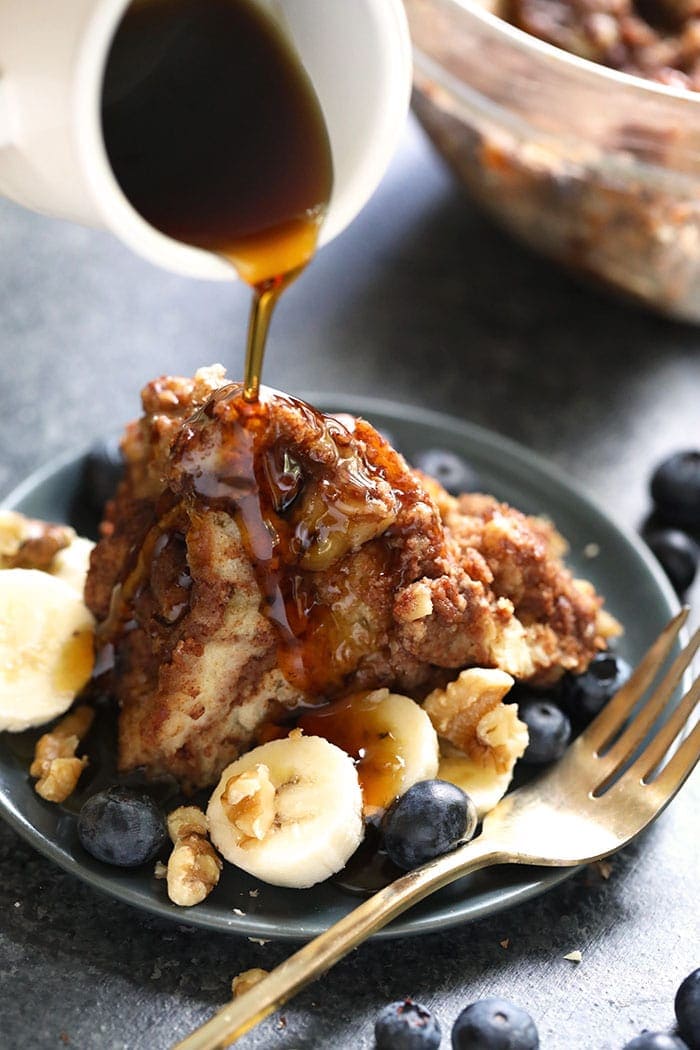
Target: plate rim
[254,924]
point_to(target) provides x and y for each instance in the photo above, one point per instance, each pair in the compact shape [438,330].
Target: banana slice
[484,785]
[390,736]
[46,647]
[72,563]
[288,812]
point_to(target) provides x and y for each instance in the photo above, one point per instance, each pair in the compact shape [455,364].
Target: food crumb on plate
[591,550]
[246,980]
[574,957]
[505,943]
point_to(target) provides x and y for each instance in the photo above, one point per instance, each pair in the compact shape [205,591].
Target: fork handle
[300,969]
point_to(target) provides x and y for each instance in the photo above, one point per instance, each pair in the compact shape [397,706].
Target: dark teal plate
[636,591]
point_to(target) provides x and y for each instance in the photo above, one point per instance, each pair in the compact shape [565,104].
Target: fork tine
[652,755]
[640,725]
[613,715]
[676,772]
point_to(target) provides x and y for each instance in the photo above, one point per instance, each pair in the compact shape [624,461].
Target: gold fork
[601,794]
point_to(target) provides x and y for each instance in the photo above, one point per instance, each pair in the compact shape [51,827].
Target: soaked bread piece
[261,557]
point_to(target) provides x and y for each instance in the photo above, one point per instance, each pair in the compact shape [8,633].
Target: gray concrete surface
[422,300]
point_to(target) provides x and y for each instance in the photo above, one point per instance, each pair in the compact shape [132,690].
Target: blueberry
[451,470]
[121,826]
[688,1009]
[494,1024]
[678,555]
[549,729]
[655,1041]
[586,694]
[675,488]
[102,473]
[428,820]
[406,1025]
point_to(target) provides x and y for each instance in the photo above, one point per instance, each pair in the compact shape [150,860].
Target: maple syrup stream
[215,135]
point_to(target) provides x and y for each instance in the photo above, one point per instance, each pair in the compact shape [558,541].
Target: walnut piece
[501,737]
[60,779]
[248,800]
[55,764]
[243,982]
[469,714]
[186,820]
[194,866]
[26,543]
[193,871]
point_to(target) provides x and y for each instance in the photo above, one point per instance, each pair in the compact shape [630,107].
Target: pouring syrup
[215,135]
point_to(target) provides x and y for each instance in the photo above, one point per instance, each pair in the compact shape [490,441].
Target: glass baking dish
[597,169]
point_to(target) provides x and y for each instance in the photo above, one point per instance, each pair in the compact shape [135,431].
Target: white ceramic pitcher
[52,154]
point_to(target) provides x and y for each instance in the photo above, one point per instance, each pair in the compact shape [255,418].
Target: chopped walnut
[12,533]
[501,737]
[469,714]
[248,800]
[26,543]
[186,820]
[243,982]
[55,764]
[194,866]
[193,871]
[60,779]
